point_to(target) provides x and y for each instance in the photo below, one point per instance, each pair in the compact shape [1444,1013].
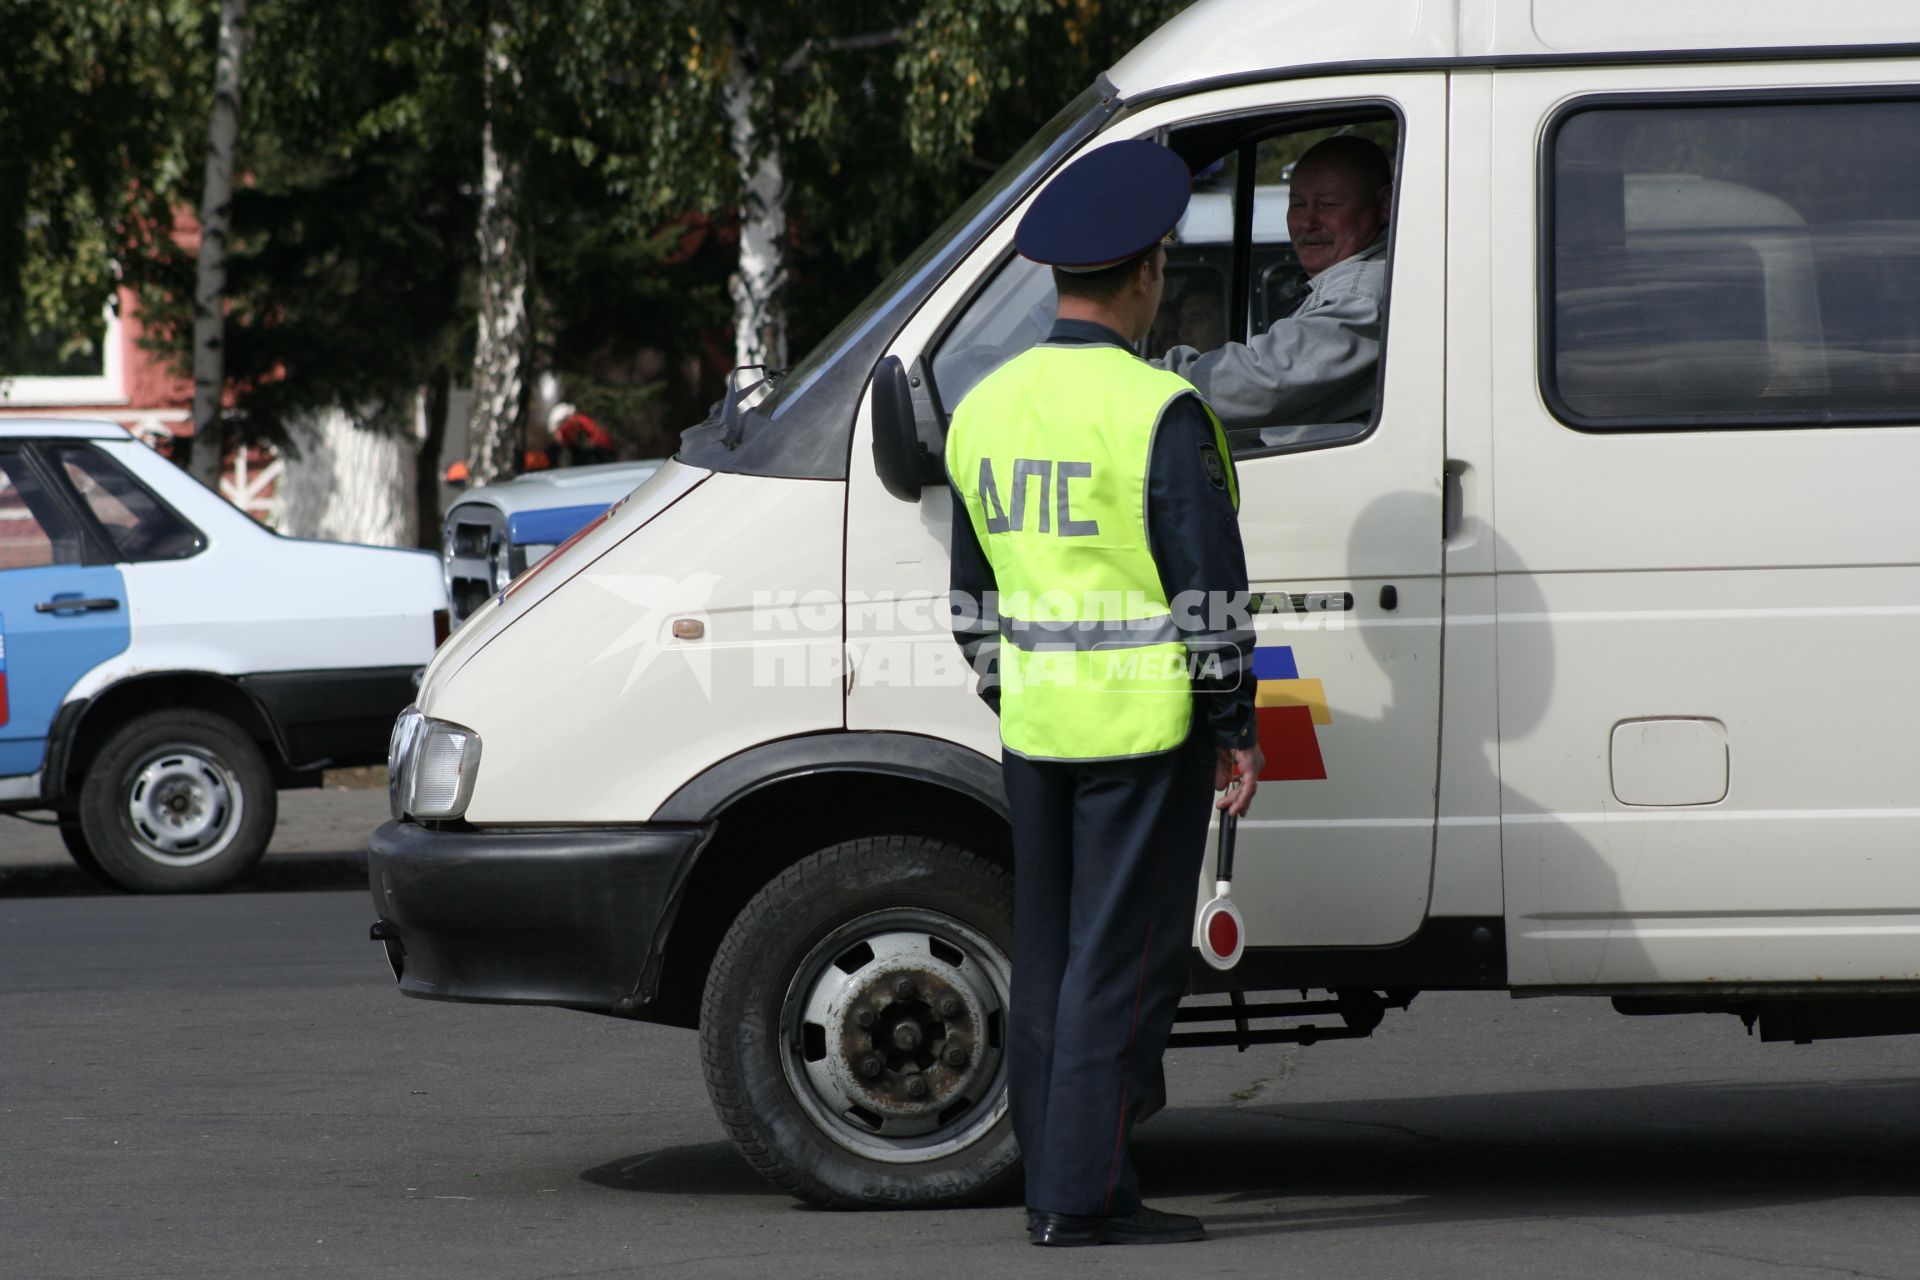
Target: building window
[53,373]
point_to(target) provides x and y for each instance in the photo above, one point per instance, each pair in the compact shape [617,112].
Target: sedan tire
[177,802]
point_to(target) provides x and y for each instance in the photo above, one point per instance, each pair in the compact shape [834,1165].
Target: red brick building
[125,383]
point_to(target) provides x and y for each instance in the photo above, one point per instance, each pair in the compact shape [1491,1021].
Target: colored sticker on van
[1287,708]
[5,715]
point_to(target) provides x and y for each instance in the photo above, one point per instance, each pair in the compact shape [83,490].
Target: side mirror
[905,464]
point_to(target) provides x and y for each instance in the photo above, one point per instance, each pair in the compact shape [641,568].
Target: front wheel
[177,802]
[853,1029]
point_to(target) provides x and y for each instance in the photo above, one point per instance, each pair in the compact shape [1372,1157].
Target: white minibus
[1587,658]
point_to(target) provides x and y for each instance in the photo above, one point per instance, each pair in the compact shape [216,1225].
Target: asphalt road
[228,1086]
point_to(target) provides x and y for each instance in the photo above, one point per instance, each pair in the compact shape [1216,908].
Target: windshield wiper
[732,409]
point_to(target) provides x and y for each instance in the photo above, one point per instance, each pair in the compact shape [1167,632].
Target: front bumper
[564,917]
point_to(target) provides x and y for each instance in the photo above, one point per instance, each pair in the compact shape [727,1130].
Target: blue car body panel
[43,653]
[550,524]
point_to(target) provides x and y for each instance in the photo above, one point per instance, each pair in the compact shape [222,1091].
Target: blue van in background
[499,531]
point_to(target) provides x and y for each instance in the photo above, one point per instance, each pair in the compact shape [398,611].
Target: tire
[80,851]
[829,1015]
[177,802]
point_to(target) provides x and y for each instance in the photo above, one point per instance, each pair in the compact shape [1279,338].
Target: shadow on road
[1601,1153]
[701,1169]
[281,873]
[1577,1153]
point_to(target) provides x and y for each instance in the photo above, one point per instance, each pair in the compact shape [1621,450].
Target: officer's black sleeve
[971,603]
[1195,535]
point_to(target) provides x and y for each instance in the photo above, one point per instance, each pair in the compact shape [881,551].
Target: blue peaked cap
[1112,203]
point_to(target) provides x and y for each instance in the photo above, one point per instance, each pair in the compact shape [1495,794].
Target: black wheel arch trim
[912,756]
[74,718]
[60,739]
[704,798]
[271,696]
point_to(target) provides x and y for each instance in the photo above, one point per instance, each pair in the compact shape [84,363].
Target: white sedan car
[166,664]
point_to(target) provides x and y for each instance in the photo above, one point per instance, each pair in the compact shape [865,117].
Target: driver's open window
[1232,275]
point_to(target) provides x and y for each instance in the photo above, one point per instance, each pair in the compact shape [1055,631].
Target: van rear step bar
[1359,1013]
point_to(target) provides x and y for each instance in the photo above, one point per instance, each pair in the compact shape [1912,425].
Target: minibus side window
[1727,262]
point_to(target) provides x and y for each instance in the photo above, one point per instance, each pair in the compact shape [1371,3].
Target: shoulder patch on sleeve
[1216,469]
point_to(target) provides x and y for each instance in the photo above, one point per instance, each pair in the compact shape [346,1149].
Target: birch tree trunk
[426,474]
[501,353]
[210,274]
[351,483]
[759,285]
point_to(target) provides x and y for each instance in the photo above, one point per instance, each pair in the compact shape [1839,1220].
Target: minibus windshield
[803,428]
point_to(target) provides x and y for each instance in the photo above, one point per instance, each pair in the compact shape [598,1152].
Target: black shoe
[1142,1226]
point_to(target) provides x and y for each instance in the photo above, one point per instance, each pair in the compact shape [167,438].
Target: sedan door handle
[94,604]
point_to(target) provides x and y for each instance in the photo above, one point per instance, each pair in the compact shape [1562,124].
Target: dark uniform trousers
[1107,860]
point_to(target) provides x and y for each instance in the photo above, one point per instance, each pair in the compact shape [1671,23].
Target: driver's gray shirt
[1315,365]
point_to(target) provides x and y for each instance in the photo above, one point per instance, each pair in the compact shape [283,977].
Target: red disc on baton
[1223,935]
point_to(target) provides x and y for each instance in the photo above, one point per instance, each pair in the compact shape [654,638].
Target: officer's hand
[1244,763]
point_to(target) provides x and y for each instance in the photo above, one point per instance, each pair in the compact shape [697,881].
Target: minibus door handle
[1456,494]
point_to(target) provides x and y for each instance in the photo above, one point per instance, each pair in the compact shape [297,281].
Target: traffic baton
[1223,934]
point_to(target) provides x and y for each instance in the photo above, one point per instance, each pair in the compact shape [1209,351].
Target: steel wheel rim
[183,807]
[825,1049]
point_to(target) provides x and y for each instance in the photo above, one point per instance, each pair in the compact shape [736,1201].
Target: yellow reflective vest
[1050,454]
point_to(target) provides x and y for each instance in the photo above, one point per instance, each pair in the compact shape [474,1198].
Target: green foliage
[886,115]
[353,252]
[983,74]
[352,217]
[98,100]
[618,296]
[351,276]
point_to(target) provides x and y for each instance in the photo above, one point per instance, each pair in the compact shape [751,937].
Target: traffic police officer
[1099,586]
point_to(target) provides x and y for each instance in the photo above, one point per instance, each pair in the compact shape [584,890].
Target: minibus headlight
[406,730]
[443,771]
[432,767]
